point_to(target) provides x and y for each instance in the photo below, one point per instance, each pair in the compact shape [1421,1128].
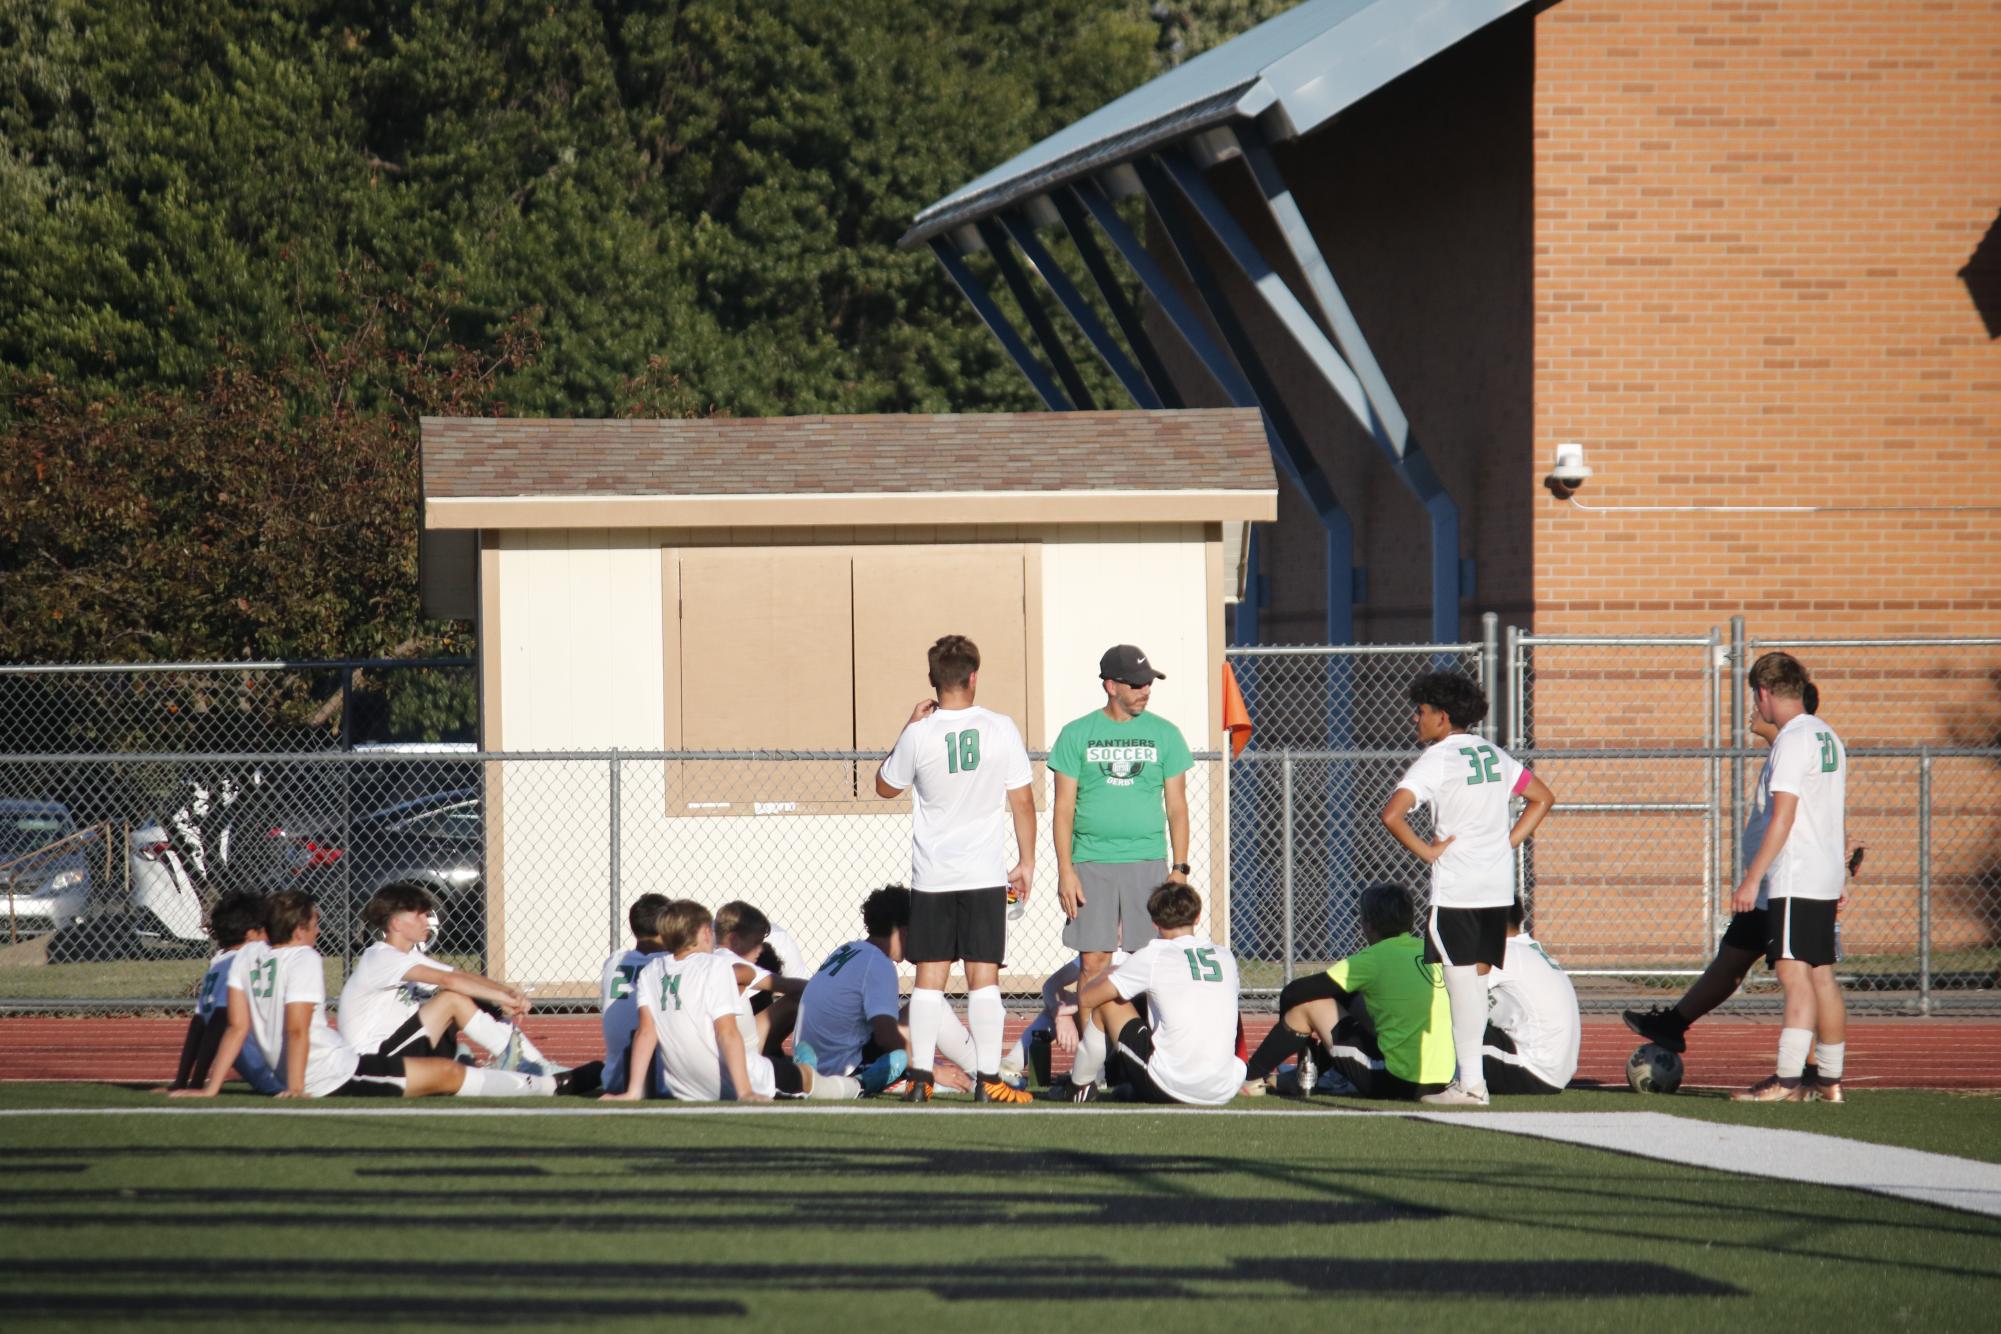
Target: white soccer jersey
[377,1000]
[1468,783]
[685,997]
[1533,1002]
[618,1006]
[1191,999]
[291,976]
[250,956]
[837,1014]
[1809,761]
[213,998]
[963,763]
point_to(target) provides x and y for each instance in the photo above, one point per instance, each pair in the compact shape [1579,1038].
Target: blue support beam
[1294,455]
[1074,305]
[997,323]
[1173,168]
[1038,319]
[1078,224]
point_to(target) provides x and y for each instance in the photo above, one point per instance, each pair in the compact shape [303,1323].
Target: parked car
[437,840]
[44,866]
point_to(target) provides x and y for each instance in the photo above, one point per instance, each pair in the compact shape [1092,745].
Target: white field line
[1759,1151]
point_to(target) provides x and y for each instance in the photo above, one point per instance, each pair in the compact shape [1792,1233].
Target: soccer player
[743,934]
[1120,814]
[1803,791]
[1468,783]
[237,925]
[1533,1027]
[1185,1050]
[971,775]
[698,1017]
[399,1001]
[287,1017]
[1380,1015]
[617,1003]
[848,1014]
[1743,943]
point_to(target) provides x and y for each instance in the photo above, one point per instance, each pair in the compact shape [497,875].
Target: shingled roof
[494,458]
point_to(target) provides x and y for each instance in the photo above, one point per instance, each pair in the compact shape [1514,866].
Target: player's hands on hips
[1070,889]
[1746,897]
[925,708]
[1438,848]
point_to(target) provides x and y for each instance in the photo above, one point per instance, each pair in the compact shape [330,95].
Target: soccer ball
[1653,1069]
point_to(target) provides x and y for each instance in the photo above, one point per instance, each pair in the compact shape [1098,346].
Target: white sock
[481,1083]
[1089,1062]
[488,1032]
[1827,1058]
[1793,1046]
[953,1039]
[831,1088]
[927,1009]
[1467,991]
[986,1013]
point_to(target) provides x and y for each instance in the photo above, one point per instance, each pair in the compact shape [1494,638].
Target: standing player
[237,924]
[288,1020]
[1185,1050]
[848,1014]
[618,1005]
[1534,1030]
[1469,783]
[1803,791]
[399,1001]
[971,775]
[1118,768]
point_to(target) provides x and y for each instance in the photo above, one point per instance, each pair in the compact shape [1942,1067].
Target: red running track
[1882,1053]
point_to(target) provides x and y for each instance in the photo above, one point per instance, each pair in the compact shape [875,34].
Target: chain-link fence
[534,857]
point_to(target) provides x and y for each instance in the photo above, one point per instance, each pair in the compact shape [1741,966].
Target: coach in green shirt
[1119,771]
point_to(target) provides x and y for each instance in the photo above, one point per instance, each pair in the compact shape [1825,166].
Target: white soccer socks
[830,1088]
[1090,1059]
[1467,992]
[954,1042]
[986,1014]
[927,1012]
[1794,1043]
[489,1083]
[1828,1058]
[493,1035]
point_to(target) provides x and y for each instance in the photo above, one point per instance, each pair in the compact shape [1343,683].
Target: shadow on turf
[1020,1280]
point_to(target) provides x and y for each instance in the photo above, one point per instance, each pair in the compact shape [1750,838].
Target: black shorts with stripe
[1458,937]
[409,1040]
[1800,929]
[375,1076]
[1503,1068]
[1134,1052]
[968,925]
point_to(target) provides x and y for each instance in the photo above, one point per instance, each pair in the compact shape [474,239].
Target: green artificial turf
[925,1218]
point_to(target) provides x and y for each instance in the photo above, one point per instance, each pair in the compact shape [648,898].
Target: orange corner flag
[1236,718]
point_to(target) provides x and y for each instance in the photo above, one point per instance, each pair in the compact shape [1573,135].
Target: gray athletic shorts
[1114,912]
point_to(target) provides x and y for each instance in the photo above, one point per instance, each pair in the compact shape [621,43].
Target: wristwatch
[1183,867]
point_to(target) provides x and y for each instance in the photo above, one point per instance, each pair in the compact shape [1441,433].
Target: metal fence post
[1490,674]
[617,934]
[1285,857]
[1514,688]
[1737,721]
[1712,893]
[1925,880]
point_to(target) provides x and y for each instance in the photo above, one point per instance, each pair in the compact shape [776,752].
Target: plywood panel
[905,600]
[766,664]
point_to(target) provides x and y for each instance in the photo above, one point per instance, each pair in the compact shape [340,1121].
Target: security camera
[1569,473]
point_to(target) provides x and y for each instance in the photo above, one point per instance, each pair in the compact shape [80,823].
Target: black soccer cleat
[1085,1092]
[581,1080]
[1663,1026]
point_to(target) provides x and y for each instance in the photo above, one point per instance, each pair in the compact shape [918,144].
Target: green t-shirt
[1407,1004]
[1120,770]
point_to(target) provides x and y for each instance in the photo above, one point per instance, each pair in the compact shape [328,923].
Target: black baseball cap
[1126,664]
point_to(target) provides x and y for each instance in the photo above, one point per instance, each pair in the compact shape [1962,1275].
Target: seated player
[1743,943]
[700,1021]
[1380,1015]
[399,1001]
[743,933]
[1185,1049]
[848,1012]
[617,1001]
[236,924]
[1533,1027]
[1054,1028]
[287,1018]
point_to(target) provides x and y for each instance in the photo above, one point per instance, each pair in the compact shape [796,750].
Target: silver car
[44,866]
